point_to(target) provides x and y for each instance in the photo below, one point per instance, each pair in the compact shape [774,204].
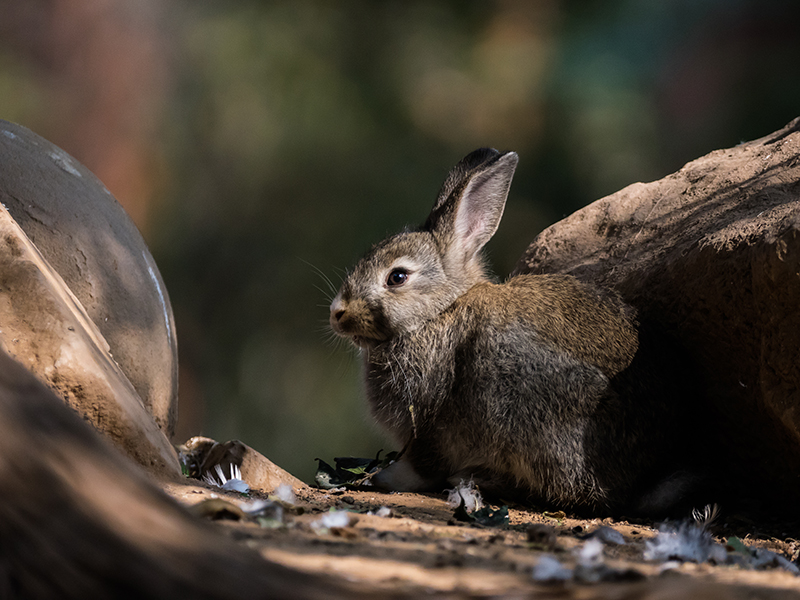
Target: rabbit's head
[413,276]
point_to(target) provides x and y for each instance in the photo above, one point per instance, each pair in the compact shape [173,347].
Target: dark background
[257,144]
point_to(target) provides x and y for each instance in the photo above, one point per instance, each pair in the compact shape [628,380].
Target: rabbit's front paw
[400,476]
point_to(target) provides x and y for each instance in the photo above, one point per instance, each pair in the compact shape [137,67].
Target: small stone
[550,570]
[609,535]
[542,535]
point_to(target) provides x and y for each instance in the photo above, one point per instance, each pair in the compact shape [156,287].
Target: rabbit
[534,387]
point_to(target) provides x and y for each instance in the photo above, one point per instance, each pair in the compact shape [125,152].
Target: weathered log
[711,256]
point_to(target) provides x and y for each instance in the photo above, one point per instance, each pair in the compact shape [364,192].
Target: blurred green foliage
[294,134]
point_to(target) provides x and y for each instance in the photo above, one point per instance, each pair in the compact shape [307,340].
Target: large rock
[45,327]
[711,255]
[85,235]
[82,305]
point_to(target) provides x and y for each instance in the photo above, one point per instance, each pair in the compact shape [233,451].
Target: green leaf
[734,544]
[357,470]
[349,471]
[354,466]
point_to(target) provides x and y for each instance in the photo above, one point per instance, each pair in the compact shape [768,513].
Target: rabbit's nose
[337,309]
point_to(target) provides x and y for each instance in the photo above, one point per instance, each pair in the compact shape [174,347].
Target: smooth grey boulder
[83,232]
[711,256]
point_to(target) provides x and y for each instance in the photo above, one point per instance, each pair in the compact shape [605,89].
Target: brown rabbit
[536,385]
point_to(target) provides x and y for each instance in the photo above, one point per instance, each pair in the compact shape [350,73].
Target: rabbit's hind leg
[668,494]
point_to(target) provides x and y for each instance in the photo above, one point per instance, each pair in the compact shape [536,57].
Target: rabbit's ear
[468,210]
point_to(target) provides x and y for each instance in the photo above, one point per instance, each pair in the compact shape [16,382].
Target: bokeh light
[257,144]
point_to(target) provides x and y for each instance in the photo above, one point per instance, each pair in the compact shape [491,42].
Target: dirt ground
[421,549]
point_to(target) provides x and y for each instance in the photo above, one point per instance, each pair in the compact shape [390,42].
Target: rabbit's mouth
[364,332]
[364,342]
[359,339]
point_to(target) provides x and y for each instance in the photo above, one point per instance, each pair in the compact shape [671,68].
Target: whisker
[342,273]
[332,288]
[344,356]
[325,293]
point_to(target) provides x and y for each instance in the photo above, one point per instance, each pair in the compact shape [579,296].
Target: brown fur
[537,386]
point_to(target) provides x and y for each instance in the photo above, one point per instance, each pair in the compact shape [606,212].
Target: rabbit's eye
[397,277]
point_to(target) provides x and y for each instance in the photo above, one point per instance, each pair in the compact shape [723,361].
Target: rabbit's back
[505,386]
[591,324]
